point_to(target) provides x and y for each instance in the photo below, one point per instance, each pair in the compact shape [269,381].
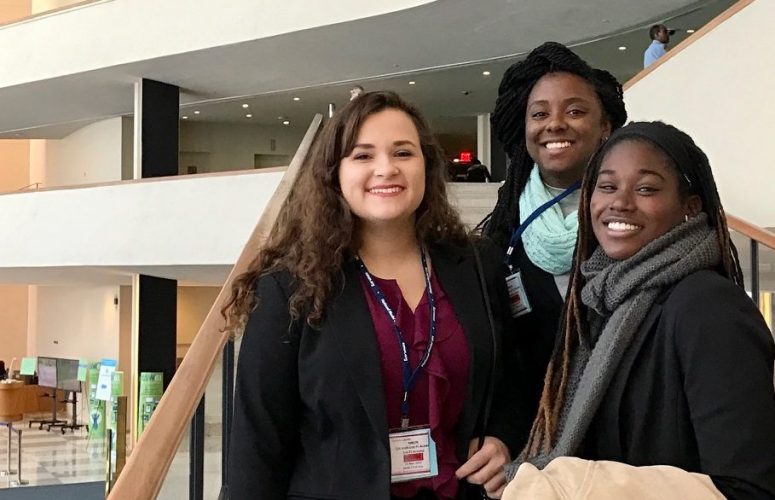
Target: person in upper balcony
[371,351]
[663,359]
[660,37]
[553,111]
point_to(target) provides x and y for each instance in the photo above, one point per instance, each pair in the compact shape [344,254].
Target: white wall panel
[192,220]
[113,32]
[720,91]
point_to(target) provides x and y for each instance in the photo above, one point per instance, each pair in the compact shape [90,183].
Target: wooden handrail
[149,462]
[756,233]
[731,11]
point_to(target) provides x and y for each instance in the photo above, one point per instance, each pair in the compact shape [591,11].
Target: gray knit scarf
[621,293]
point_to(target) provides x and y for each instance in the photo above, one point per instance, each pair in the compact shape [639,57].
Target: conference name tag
[412,454]
[518,301]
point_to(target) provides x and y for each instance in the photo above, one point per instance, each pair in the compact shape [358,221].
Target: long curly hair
[508,121]
[316,232]
[696,178]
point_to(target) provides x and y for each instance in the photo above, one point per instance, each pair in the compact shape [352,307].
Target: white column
[483,138]
[137,143]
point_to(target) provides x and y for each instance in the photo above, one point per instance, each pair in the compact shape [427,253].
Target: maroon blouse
[439,393]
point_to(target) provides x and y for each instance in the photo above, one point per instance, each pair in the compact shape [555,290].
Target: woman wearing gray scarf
[662,358]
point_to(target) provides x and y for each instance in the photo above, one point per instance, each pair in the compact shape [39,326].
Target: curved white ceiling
[438,34]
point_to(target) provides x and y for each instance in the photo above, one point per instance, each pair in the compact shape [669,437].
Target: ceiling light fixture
[286,122]
[486,73]
[411,82]
[248,115]
[185,118]
[246,105]
[690,31]
[297,98]
[622,48]
[196,112]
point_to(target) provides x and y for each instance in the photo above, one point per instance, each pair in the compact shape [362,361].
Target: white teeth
[558,145]
[385,190]
[622,226]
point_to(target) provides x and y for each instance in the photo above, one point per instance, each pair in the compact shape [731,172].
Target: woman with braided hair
[553,111]
[663,359]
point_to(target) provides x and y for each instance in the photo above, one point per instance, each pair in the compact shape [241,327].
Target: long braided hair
[508,122]
[696,178]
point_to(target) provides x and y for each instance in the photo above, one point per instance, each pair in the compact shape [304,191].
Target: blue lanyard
[517,234]
[409,376]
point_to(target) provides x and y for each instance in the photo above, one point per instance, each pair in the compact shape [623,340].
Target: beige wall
[93,153]
[125,334]
[14,174]
[720,91]
[13,10]
[38,6]
[14,164]
[194,302]
[13,323]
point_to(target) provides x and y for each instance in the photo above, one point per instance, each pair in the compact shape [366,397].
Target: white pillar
[483,138]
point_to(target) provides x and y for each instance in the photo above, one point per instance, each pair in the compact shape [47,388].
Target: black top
[532,336]
[309,413]
[695,391]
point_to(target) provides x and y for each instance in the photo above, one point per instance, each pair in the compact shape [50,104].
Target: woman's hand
[485,466]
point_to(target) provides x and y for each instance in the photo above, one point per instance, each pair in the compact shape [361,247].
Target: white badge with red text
[518,301]
[412,454]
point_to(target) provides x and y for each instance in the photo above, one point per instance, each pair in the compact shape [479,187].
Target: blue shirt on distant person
[653,52]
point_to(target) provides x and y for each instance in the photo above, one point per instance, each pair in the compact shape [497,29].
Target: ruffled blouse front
[439,394]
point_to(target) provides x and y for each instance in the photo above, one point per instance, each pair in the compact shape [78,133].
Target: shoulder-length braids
[508,121]
[696,178]
[315,231]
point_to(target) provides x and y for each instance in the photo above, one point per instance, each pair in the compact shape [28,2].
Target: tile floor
[50,457]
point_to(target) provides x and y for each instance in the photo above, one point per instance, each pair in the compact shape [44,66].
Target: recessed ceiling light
[455,160]
[246,105]
[622,48]
[690,31]
[281,118]
[196,112]
[412,82]
[248,115]
[286,122]
[486,73]
[185,118]
[297,98]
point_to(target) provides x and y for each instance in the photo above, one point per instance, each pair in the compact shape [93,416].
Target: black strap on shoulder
[491,321]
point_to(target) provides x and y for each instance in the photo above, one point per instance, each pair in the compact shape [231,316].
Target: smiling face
[636,199]
[383,178]
[564,125]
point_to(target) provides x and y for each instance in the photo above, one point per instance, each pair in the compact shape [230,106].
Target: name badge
[412,455]
[518,301]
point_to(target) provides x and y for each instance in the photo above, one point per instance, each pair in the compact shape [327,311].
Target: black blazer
[695,391]
[309,414]
[530,341]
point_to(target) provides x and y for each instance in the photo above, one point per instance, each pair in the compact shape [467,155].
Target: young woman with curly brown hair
[369,346]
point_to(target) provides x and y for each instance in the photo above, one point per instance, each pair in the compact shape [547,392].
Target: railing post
[755,271]
[197,454]
[228,408]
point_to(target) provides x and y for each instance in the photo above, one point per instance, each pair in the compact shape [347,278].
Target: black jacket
[309,414]
[530,341]
[695,391]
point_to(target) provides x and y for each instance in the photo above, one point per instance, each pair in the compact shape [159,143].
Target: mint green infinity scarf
[549,241]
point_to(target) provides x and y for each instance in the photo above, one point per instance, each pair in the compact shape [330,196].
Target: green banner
[151,390]
[28,367]
[83,368]
[96,407]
